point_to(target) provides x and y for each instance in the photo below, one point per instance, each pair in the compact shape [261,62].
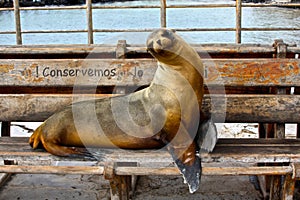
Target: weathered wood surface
[73,72]
[140,171]
[231,108]
[139,51]
[69,49]
[211,171]
[104,72]
[238,159]
[228,151]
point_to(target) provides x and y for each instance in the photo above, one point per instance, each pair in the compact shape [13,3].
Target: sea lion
[165,113]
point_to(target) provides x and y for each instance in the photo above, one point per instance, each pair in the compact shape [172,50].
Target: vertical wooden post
[120,186]
[276,189]
[163,14]
[297,91]
[238,20]
[281,49]
[89,13]
[121,49]
[288,188]
[280,127]
[5,129]
[18,22]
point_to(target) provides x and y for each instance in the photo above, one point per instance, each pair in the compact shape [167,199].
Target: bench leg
[5,129]
[282,190]
[120,186]
[275,188]
[4,177]
[288,188]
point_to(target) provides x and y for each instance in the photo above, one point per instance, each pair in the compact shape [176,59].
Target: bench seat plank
[226,151]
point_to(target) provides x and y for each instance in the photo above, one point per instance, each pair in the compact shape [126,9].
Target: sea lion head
[162,44]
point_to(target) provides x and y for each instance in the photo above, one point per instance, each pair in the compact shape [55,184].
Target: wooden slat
[211,171]
[99,170]
[73,72]
[231,108]
[52,169]
[104,72]
[226,152]
[69,49]
[139,51]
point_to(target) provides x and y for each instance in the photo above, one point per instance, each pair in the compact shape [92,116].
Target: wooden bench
[244,83]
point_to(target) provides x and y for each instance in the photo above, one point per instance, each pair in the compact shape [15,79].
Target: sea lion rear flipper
[207,136]
[189,166]
[184,152]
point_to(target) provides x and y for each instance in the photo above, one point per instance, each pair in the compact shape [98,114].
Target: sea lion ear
[173,30]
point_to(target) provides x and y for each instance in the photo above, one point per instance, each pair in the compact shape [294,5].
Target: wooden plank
[231,108]
[52,169]
[104,72]
[73,72]
[211,171]
[123,171]
[76,48]
[230,154]
[136,51]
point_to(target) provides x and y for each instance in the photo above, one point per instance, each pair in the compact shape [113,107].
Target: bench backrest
[38,81]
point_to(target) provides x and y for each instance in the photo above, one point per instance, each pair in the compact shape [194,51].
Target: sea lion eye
[158,42]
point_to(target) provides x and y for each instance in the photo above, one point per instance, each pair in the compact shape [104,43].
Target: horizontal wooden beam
[96,48]
[52,169]
[166,171]
[100,49]
[211,171]
[229,108]
[137,72]
[237,155]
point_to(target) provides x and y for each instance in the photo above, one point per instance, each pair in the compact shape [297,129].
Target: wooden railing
[163,19]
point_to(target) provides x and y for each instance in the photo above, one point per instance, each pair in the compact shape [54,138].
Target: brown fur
[174,121]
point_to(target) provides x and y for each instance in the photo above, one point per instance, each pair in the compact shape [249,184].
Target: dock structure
[90,30]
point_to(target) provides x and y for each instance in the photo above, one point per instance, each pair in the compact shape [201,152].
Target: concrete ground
[83,187]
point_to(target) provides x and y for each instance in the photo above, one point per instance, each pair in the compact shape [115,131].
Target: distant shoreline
[41,3]
[30,3]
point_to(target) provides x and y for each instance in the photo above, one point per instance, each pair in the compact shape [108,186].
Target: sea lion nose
[150,46]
